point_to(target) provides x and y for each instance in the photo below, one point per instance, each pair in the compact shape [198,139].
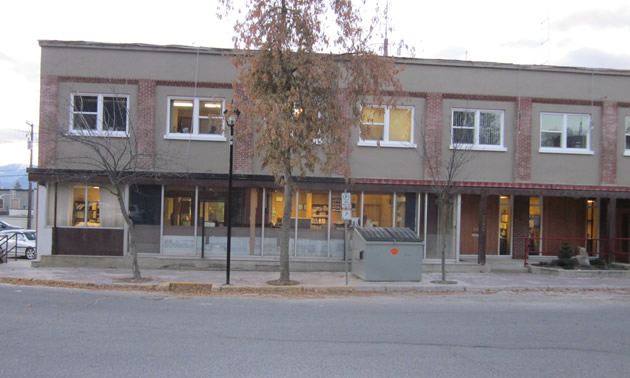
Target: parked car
[6,226]
[25,240]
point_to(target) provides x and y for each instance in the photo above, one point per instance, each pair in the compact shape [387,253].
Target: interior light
[212,105]
[187,104]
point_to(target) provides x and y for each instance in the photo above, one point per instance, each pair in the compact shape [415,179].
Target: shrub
[598,262]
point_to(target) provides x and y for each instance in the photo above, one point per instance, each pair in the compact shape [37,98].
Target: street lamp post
[230,121]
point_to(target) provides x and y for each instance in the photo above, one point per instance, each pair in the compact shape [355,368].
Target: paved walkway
[202,282]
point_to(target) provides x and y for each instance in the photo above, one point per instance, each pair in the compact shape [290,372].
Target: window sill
[373,143]
[565,151]
[212,138]
[472,147]
[99,133]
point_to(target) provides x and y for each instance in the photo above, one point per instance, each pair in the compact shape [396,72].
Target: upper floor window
[478,129]
[565,132]
[387,126]
[196,118]
[99,114]
[627,153]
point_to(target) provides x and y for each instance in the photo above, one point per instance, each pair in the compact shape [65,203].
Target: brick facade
[243,147]
[48,103]
[608,158]
[433,133]
[145,124]
[523,140]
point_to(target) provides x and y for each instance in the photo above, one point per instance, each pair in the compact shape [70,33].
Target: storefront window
[313,214]
[178,220]
[86,209]
[274,210]
[336,221]
[378,210]
[145,204]
[535,212]
[406,210]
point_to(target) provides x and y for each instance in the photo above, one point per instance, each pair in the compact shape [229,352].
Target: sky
[551,32]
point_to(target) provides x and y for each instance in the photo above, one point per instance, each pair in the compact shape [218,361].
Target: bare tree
[443,172]
[108,147]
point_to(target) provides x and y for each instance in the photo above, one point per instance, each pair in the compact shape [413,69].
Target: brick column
[48,103]
[145,124]
[433,132]
[523,140]
[608,140]
[243,146]
[520,227]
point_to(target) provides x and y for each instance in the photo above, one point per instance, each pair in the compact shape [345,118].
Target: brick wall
[48,103]
[608,158]
[523,140]
[243,146]
[145,124]
[433,132]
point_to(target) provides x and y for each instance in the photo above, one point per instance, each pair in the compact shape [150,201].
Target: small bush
[598,262]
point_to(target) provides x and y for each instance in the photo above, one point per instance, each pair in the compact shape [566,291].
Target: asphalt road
[46,332]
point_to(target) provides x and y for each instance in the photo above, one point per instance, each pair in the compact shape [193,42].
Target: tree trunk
[286,229]
[445,213]
[135,268]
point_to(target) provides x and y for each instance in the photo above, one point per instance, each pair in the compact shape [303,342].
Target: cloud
[5,58]
[590,57]
[458,53]
[596,19]
[523,43]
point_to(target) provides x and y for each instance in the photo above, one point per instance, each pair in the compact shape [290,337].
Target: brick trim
[523,140]
[433,132]
[498,185]
[48,104]
[145,124]
[608,140]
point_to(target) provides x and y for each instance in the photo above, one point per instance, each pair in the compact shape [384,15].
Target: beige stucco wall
[458,78]
[391,162]
[566,168]
[623,155]
[189,155]
[67,150]
[482,165]
[137,64]
[512,80]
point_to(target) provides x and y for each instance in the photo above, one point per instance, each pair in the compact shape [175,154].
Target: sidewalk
[213,282]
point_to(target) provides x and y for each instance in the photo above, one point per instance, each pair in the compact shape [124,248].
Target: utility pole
[30,184]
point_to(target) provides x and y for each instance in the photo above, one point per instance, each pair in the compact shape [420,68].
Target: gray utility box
[387,254]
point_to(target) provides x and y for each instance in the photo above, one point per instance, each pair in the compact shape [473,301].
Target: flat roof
[399,60]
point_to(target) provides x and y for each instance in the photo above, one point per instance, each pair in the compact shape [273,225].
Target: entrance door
[505,226]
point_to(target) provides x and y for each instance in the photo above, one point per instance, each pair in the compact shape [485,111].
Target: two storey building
[549,159]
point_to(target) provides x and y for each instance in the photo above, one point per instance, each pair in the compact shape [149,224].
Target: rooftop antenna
[546,41]
[386,41]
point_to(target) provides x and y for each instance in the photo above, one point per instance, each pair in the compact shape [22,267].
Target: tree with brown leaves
[305,69]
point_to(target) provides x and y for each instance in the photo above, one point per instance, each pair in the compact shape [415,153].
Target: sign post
[346,215]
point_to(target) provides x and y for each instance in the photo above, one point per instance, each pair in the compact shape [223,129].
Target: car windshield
[30,235]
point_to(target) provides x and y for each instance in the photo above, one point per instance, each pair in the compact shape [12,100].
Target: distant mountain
[11,173]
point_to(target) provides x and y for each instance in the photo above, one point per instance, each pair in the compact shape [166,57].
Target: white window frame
[99,116]
[386,142]
[475,145]
[563,149]
[626,135]
[194,135]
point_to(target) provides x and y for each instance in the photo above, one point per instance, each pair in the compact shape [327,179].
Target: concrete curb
[209,289]
[577,273]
